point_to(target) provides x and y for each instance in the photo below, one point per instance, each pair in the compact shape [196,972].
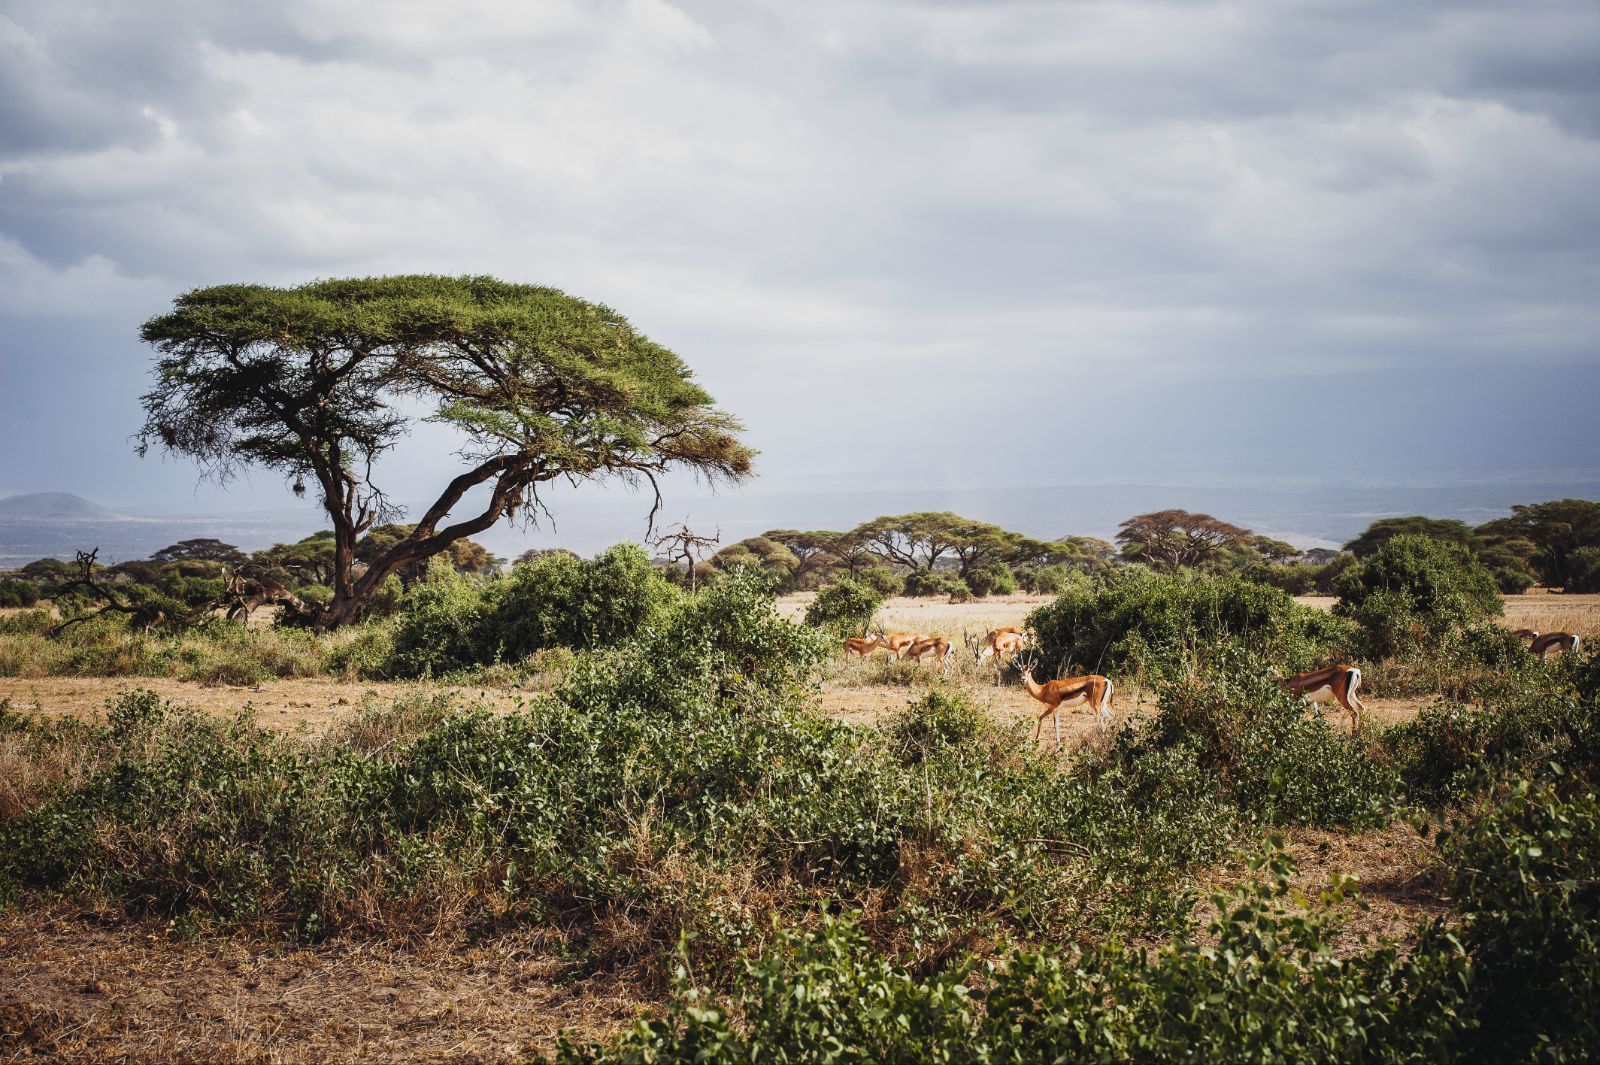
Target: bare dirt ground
[78,986]
[311,704]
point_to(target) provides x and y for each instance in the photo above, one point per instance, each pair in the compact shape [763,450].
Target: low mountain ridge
[54,506]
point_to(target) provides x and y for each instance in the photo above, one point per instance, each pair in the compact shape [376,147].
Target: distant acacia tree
[317,382]
[200,550]
[1383,530]
[822,552]
[1561,535]
[1173,538]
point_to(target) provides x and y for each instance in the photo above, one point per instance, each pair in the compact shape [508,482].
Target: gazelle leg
[1055,715]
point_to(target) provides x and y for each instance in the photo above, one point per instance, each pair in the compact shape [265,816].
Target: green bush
[941,720]
[1539,716]
[883,580]
[1584,563]
[1156,624]
[26,623]
[15,593]
[1267,752]
[1525,874]
[993,579]
[661,767]
[1050,580]
[927,583]
[450,622]
[1414,589]
[440,627]
[1269,989]
[844,608]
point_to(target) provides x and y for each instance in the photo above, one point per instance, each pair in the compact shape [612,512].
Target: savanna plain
[713,833]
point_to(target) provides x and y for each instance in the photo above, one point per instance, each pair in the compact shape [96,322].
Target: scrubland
[712,835]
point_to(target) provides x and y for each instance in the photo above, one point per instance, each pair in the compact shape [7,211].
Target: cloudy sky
[920,244]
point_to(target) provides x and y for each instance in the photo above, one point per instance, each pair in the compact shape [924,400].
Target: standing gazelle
[1092,689]
[938,645]
[1334,683]
[1553,641]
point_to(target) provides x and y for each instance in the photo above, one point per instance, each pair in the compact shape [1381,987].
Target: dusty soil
[1396,892]
[309,704]
[79,986]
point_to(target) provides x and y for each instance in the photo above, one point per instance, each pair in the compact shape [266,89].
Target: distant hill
[54,506]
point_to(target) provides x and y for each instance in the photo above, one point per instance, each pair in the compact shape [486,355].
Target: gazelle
[1003,642]
[900,642]
[864,646]
[1553,641]
[938,645]
[1333,683]
[1092,689]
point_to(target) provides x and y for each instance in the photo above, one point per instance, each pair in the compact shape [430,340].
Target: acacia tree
[316,382]
[1174,538]
[1557,531]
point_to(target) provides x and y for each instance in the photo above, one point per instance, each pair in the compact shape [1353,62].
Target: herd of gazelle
[1336,683]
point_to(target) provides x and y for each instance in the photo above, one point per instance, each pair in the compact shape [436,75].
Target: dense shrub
[451,622]
[662,767]
[1584,563]
[1540,714]
[1525,874]
[1414,589]
[1269,989]
[993,579]
[1156,623]
[1267,752]
[883,580]
[844,608]
[927,583]
[15,593]
[1050,580]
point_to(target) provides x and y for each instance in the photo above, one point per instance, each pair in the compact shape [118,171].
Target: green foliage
[1380,532]
[1269,989]
[995,578]
[941,720]
[27,623]
[540,384]
[1537,714]
[562,601]
[844,608]
[883,580]
[1525,872]
[1584,567]
[1270,755]
[1549,535]
[1156,623]
[451,622]
[927,583]
[18,593]
[1414,589]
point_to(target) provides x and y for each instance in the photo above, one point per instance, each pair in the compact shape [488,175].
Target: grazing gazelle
[1092,689]
[864,646]
[1553,641]
[900,642]
[1337,683]
[938,645]
[1003,642]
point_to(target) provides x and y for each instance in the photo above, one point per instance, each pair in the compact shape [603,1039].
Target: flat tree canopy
[309,381]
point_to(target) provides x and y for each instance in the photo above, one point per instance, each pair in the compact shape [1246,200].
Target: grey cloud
[919,215]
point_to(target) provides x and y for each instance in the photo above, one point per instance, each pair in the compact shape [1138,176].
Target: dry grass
[84,987]
[1394,869]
